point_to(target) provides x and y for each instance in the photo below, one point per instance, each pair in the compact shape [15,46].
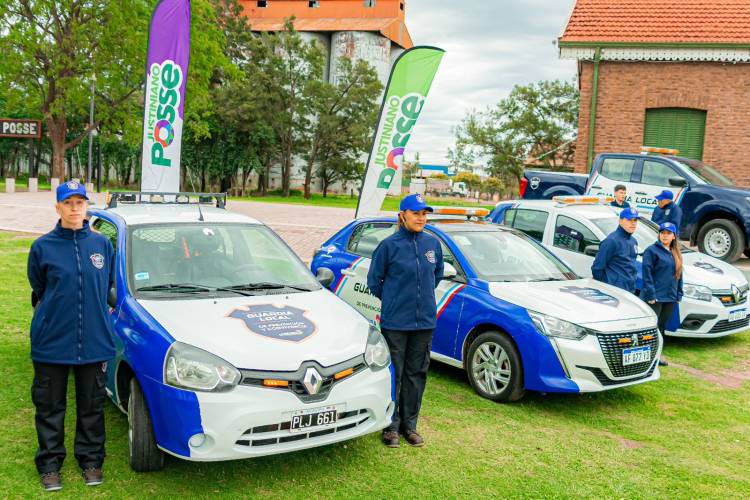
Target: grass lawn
[685,436]
[344,201]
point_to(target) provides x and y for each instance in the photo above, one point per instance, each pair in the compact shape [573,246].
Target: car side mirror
[324,276]
[591,250]
[677,182]
[112,296]
[449,272]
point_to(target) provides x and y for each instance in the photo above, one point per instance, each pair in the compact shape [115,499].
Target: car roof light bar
[465,211]
[661,151]
[151,197]
[583,200]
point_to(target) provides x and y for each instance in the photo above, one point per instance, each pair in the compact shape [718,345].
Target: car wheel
[144,455]
[722,239]
[494,368]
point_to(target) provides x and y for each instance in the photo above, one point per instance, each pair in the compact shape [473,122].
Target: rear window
[617,169]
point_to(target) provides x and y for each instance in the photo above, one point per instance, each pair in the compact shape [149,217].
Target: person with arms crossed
[615,262]
[667,210]
[405,270]
[71,270]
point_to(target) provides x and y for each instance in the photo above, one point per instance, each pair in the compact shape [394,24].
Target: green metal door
[676,128]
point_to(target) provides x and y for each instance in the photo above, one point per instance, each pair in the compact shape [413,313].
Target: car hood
[585,302]
[702,269]
[267,332]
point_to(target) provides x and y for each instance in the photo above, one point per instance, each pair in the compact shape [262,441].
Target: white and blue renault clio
[227,345]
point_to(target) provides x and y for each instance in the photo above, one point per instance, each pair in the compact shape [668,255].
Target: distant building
[671,74]
[373,30]
[432,170]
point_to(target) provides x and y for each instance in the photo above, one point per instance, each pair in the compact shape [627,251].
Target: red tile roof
[659,21]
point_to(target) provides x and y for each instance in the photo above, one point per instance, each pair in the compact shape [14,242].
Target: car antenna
[200,212]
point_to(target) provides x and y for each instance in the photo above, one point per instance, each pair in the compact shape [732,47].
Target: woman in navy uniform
[71,270]
[662,275]
[406,267]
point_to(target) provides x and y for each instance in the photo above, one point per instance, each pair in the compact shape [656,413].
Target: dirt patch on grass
[730,379]
[629,444]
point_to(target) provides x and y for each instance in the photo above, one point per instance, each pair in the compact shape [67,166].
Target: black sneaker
[413,438]
[51,481]
[391,439]
[93,476]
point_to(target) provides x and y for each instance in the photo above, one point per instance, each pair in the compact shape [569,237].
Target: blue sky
[491,45]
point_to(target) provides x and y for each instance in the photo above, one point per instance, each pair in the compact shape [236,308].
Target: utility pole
[91,132]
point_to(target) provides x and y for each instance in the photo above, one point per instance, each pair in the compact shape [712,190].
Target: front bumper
[254,421]
[586,363]
[702,319]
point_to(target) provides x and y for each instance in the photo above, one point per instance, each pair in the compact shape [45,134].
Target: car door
[653,179]
[613,171]
[569,241]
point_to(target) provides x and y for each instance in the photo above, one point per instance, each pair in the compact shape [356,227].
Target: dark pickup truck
[715,212]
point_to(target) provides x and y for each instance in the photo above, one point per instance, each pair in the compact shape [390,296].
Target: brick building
[664,73]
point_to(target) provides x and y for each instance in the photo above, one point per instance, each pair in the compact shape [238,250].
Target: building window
[369,3]
[402,5]
[262,4]
[682,129]
[313,4]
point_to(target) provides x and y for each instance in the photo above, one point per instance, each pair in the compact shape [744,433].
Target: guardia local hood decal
[591,294]
[276,321]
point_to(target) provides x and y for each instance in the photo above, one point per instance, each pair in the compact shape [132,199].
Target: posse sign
[25,129]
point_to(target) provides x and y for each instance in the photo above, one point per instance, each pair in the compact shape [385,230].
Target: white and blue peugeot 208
[227,345]
[509,312]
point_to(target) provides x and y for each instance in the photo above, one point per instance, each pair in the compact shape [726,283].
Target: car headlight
[555,327]
[188,367]
[377,355]
[697,292]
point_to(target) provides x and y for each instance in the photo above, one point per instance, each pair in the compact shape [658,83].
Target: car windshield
[199,258]
[646,232]
[509,256]
[706,173]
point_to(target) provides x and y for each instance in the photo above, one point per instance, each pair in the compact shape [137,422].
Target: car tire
[144,455]
[494,368]
[722,239]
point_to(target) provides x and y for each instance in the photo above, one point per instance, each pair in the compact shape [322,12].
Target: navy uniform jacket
[70,273]
[670,213]
[405,269]
[659,282]
[625,204]
[615,261]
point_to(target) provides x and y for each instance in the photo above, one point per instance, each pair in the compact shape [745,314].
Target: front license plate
[737,315]
[313,417]
[636,355]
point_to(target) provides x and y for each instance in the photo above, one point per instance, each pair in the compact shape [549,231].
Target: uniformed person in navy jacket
[662,275]
[406,267]
[71,270]
[667,210]
[621,192]
[615,263]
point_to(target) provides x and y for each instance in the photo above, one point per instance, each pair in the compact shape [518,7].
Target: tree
[344,114]
[338,169]
[473,181]
[538,119]
[53,50]
[492,186]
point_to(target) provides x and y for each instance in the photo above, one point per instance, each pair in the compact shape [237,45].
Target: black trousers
[49,394]
[410,355]
[663,312]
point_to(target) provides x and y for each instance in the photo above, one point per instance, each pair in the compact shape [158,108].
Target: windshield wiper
[544,279]
[174,287]
[265,285]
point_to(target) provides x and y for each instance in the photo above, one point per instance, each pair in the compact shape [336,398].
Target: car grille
[606,381]
[724,325]
[612,350]
[279,433]
[728,299]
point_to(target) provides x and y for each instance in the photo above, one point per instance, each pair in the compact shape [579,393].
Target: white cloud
[491,45]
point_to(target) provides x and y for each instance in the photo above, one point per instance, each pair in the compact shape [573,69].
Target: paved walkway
[303,227]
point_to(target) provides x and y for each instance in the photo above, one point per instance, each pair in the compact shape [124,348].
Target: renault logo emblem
[736,294]
[312,381]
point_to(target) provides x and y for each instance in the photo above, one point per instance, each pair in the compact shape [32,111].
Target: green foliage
[472,181]
[538,120]
[492,186]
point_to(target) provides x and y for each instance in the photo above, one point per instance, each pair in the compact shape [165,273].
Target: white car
[714,303]
[228,347]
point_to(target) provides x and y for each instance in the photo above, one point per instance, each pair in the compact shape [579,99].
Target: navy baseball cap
[414,202]
[667,226]
[70,188]
[665,195]
[629,213]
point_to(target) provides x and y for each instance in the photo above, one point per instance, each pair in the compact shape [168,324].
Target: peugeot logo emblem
[634,338]
[312,381]
[736,294]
